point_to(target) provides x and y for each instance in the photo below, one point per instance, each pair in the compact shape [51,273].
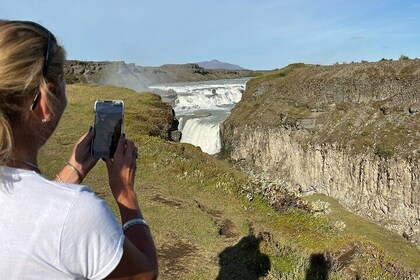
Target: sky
[255,34]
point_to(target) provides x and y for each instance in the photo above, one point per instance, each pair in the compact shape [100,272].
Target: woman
[58,229]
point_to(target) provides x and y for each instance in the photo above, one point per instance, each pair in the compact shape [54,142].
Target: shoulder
[32,186]
[86,204]
[79,192]
[76,200]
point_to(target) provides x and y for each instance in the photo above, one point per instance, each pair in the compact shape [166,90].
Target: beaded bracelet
[132,222]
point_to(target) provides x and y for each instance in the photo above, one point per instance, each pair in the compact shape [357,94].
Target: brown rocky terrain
[348,131]
[139,77]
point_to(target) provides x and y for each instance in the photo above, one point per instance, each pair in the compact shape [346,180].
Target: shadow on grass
[243,260]
[319,268]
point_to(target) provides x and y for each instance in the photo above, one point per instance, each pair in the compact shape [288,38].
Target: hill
[211,221]
[136,77]
[215,64]
[348,131]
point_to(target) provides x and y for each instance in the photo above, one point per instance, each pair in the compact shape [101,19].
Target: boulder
[415,108]
[175,135]
[385,110]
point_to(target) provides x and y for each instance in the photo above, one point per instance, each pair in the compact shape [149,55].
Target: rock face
[138,78]
[324,129]
[387,191]
[173,133]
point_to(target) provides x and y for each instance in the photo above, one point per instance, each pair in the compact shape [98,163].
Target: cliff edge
[136,77]
[348,131]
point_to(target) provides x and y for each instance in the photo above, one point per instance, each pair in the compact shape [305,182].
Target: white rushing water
[202,134]
[202,106]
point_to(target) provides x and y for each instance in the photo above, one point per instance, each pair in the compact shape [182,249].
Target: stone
[414,108]
[307,123]
[175,135]
[202,114]
[385,110]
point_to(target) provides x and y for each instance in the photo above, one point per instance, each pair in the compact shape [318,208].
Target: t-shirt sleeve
[92,240]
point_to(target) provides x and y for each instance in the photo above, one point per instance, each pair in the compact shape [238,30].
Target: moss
[298,112]
[343,106]
[283,72]
[384,152]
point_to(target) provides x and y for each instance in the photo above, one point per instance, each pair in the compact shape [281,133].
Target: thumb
[108,162]
[87,137]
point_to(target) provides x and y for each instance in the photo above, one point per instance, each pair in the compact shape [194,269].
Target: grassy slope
[361,226]
[323,93]
[202,227]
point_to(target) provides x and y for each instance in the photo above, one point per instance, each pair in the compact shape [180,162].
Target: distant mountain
[215,64]
[129,75]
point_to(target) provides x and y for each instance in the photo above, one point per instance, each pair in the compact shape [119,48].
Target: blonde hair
[23,49]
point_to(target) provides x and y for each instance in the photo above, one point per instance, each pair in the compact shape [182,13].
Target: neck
[23,164]
[24,160]
[25,151]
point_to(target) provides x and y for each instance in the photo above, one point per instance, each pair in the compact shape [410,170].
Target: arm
[80,163]
[139,260]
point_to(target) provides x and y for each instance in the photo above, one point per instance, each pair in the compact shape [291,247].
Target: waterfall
[202,106]
[202,134]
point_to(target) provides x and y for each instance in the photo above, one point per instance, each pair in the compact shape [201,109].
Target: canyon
[349,131]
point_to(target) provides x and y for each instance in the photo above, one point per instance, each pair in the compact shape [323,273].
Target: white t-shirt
[50,230]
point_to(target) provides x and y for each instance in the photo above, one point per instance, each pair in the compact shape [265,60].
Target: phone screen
[108,127]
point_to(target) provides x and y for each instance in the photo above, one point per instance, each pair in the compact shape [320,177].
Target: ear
[42,110]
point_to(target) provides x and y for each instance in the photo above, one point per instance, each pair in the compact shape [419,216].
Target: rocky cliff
[138,78]
[349,131]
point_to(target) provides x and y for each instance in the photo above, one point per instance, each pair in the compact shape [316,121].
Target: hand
[122,172]
[81,157]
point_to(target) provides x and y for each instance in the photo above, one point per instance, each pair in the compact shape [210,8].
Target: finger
[90,134]
[108,162]
[86,138]
[82,137]
[134,165]
[121,145]
[92,161]
[129,147]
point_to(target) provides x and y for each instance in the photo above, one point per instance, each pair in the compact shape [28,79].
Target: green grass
[391,242]
[196,212]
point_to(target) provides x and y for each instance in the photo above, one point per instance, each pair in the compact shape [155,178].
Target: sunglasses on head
[48,55]
[51,40]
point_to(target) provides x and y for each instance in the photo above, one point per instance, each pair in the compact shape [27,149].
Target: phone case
[109,125]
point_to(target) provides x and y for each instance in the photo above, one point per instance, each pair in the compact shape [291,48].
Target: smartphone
[109,124]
